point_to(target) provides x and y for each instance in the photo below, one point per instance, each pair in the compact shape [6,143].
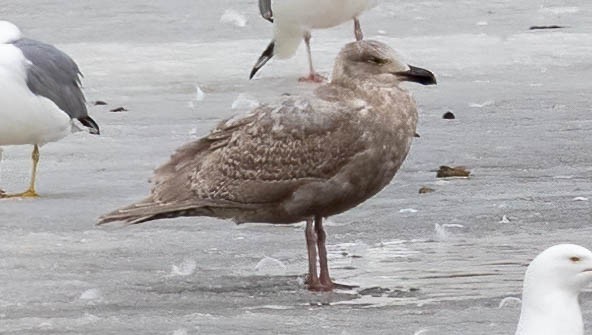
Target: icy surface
[186,268]
[269,266]
[526,140]
[231,16]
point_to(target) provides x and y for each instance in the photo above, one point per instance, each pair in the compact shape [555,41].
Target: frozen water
[270,267]
[199,94]
[530,151]
[186,268]
[442,233]
[481,105]
[91,294]
[509,301]
[559,10]
[452,225]
[231,16]
[244,102]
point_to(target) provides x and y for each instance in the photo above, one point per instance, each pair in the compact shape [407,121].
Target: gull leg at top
[358,30]
[29,193]
[313,76]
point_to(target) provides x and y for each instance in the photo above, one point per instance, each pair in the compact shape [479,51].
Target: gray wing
[265,9]
[54,75]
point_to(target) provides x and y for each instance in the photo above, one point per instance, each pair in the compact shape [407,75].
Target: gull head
[372,59]
[552,284]
[9,32]
[565,267]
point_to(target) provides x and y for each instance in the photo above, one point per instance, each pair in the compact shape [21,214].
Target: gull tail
[171,196]
[149,209]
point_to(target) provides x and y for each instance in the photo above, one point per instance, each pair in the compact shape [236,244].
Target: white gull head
[9,32]
[552,284]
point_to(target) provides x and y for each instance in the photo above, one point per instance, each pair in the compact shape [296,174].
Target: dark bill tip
[92,126]
[264,58]
[418,75]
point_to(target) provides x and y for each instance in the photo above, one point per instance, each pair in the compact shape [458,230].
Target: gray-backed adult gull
[40,95]
[294,19]
[303,159]
[552,284]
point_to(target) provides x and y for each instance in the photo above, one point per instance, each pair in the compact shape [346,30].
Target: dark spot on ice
[349,267]
[425,190]
[447,172]
[100,103]
[449,116]
[554,26]
[118,110]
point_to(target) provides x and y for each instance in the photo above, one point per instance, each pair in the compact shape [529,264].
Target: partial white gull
[302,159]
[40,95]
[552,284]
[294,19]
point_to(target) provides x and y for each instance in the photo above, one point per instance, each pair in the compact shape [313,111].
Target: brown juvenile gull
[303,159]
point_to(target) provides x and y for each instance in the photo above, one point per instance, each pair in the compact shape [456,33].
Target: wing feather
[54,75]
[262,157]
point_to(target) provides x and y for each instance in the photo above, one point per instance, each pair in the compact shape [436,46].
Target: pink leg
[313,76]
[311,245]
[325,279]
[358,30]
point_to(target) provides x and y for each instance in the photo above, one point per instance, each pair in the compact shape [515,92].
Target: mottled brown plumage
[302,158]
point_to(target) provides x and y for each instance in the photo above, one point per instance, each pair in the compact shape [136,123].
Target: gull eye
[377,61]
[575,259]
